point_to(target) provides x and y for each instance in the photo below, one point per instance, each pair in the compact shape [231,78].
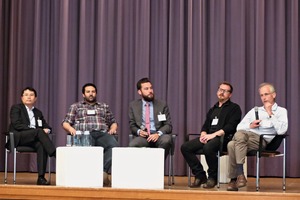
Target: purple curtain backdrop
[186,47]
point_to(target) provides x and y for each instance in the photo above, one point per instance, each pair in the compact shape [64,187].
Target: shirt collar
[144,102]
[84,102]
[28,109]
[224,104]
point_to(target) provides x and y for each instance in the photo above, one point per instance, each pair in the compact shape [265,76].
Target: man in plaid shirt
[97,118]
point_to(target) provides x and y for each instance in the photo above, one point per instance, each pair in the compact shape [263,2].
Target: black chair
[10,148]
[220,153]
[271,151]
[171,159]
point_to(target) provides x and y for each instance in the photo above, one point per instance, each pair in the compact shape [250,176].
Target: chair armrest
[260,148]
[12,140]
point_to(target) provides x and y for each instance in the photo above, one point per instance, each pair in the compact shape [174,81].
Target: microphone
[143,128]
[256,113]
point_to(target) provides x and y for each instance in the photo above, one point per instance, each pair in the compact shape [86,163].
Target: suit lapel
[24,110]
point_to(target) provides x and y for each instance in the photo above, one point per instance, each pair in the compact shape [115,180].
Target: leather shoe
[198,182]
[232,186]
[241,181]
[211,183]
[106,181]
[42,181]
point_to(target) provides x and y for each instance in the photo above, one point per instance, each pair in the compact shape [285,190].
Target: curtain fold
[186,47]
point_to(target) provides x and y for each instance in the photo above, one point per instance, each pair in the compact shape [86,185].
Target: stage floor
[26,188]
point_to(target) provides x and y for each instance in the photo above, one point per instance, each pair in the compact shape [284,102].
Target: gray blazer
[135,116]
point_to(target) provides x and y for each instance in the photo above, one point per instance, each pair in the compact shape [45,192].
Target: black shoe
[198,182]
[42,181]
[211,183]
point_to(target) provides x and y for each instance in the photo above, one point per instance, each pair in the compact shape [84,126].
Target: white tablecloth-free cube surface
[140,168]
[79,166]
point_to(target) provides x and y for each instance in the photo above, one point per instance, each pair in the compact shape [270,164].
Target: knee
[131,144]
[185,147]
[230,145]
[166,139]
[240,136]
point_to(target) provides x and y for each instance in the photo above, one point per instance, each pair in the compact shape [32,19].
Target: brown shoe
[241,181]
[198,182]
[232,186]
[106,181]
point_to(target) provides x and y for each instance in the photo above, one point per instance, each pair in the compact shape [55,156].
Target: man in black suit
[31,129]
[156,131]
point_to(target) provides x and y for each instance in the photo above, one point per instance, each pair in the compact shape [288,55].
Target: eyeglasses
[223,90]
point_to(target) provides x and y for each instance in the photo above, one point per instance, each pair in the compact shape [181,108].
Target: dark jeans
[107,141]
[210,149]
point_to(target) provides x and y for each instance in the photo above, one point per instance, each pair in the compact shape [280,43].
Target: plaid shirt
[79,119]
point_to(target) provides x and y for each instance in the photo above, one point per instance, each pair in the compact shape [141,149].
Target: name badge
[40,123]
[91,112]
[162,117]
[215,121]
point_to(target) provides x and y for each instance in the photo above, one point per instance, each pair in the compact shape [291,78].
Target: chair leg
[284,165]
[49,168]
[257,171]
[218,178]
[189,176]
[173,176]
[5,166]
[170,169]
[15,165]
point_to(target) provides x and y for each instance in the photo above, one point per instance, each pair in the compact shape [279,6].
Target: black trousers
[210,149]
[41,142]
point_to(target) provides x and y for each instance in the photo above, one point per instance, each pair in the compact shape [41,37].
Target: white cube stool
[140,168]
[79,166]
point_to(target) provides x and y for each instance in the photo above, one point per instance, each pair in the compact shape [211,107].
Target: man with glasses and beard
[149,119]
[97,118]
[221,119]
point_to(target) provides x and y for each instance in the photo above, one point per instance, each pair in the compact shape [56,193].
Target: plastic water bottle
[77,139]
[86,139]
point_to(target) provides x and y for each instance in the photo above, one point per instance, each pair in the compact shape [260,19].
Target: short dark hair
[227,83]
[87,85]
[30,89]
[143,80]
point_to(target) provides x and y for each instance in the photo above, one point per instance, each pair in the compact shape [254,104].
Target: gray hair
[271,86]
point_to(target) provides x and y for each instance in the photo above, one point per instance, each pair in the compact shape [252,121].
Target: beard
[148,98]
[90,99]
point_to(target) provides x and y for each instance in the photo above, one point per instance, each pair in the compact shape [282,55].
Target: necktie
[147,117]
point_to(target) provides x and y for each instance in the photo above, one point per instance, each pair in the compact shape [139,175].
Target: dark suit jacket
[20,120]
[135,116]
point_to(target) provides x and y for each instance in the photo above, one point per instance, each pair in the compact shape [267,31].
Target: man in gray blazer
[152,129]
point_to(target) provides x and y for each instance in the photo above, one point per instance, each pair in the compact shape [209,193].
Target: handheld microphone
[256,113]
[143,128]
